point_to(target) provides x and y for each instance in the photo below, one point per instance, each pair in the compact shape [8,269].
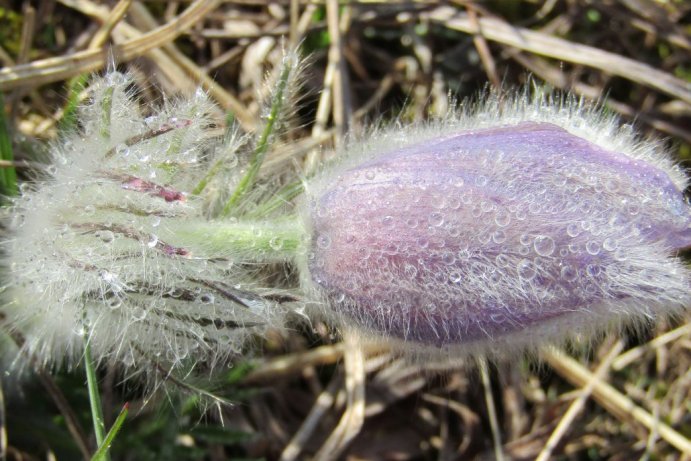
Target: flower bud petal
[515,234]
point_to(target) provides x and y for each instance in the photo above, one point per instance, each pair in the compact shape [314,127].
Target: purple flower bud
[510,235]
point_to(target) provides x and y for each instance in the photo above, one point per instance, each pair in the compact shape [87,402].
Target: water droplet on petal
[573,230]
[569,273]
[436,219]
[592,247]
[610,244]
[526,270]
[499,236]
[323,241]
[544,245]
[502,218]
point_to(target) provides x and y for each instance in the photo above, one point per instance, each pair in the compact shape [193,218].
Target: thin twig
[491,411]
[103,34]
[612,400]
[547,45]
[636,353]
[59,68]
[577,405]
[354,415]
[324,401]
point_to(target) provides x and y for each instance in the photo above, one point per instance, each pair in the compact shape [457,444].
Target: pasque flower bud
[519,223]
[524,223]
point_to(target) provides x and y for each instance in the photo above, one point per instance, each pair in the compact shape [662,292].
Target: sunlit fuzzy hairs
[522,221]
[99,250]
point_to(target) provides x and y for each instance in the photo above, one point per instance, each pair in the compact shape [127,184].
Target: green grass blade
[94,396]
[262,146]
[283,196]
[102,452]
[75,87]
[8,175]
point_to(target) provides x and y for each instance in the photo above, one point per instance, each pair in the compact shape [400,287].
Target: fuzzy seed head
[94,253]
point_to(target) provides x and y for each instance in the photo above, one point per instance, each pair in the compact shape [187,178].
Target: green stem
[94,395]
[263,144]
[266,241]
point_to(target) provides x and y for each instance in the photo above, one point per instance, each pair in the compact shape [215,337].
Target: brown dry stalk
[557,48]
[59,68]
[612,400]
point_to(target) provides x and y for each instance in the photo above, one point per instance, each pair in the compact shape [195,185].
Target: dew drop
[114,303]
[276,243]
[569,273]
[544,245]
[593,270]
[207,298]
[455,277]
[448,258]
[502,218]
[323,241]
[526,270]
[153,241]
[436,219]
[106,236]
[525,239]
[387,221]
[499,236]
[410,271]
[610,244]
[501,260]
[592,247]
[138,314]
[573,230]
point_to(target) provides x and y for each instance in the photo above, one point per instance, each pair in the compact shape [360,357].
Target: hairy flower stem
[266,241]
[94,396]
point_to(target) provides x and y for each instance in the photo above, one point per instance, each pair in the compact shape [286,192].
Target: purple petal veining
[497,232]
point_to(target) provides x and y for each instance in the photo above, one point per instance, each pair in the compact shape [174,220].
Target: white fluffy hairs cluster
[92,251]
[505,107]
[424,240]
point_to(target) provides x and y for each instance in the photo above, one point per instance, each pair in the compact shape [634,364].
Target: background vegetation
[626,397]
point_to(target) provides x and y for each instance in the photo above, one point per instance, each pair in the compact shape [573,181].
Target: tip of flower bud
[522,223]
